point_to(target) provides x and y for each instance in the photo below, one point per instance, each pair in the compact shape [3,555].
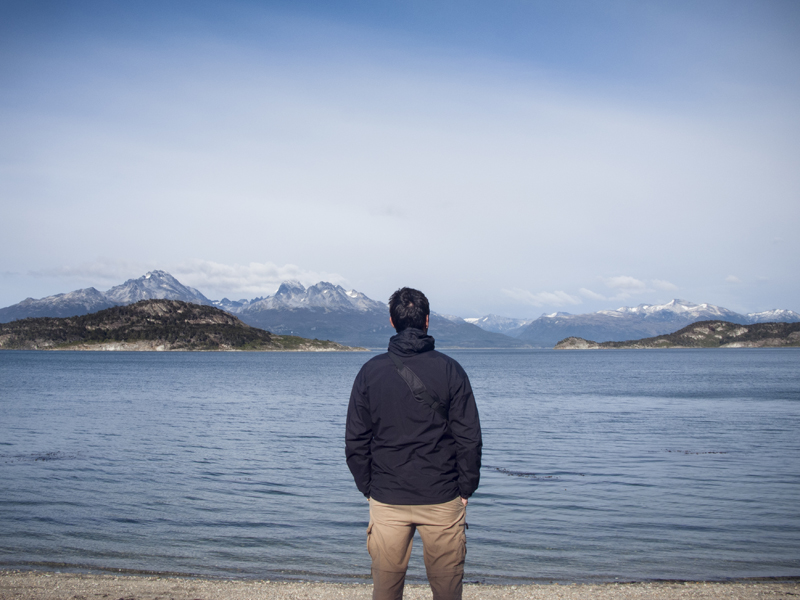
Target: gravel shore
[36,585]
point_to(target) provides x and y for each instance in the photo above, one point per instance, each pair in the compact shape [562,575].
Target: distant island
[152,325]
[705,334]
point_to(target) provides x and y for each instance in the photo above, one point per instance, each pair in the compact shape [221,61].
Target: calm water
[598,465]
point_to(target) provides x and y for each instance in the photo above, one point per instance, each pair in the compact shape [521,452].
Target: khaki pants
[444,546]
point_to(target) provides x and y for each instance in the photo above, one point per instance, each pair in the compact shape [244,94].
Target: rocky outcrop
[576,343]
[151,325]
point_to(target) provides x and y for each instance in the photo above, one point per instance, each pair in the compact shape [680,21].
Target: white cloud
[628,286]
[216,280]
[557,298]
[626,283]
[666,286]
[623,286]
[320,153]
[587,293]
[99,273]
[733,279]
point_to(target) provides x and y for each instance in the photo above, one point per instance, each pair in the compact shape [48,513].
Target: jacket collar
[410,341]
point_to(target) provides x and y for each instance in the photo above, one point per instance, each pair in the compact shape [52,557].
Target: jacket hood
[410,341]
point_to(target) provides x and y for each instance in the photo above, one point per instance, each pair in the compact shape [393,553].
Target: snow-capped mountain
[630,323]
[155,285]
[777,315]
[675,309]
[78,302]
[323,295]
[327,311]
[497,323]
[703,312]
[151,286]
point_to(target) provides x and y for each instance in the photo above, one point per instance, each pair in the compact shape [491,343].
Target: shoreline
[54,585]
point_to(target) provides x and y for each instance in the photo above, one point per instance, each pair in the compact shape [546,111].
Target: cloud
[557,298]
[586,293]
[628,286]
[624,282]
[624,286]
[733,279]
[213,279]
[666,286]
[337,134]
[98,273]
[246,281]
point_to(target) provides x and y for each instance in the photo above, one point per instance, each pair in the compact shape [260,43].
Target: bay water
[598,465]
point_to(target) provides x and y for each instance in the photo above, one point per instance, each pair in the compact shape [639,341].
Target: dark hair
[408,308]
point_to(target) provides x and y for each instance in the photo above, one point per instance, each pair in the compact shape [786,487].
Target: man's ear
[427,321]
[391,322]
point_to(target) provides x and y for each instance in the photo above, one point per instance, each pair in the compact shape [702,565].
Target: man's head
[409,308]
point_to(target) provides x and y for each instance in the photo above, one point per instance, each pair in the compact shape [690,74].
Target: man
[415,455]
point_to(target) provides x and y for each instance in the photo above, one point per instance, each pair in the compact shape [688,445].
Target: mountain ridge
[323,311]
[153,285]
[704,334]
[644,320]
[328,311]
[499,324]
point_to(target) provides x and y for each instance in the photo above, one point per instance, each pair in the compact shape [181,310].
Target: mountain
[79,302]
[628,323]
[150,325]
[499,324]
[328,311]
[460,334]
[322,311]
[705,334]
[153,285]
[774,316]
[292,295]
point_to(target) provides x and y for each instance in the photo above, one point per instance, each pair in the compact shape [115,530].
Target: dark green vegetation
[150,325]
[706,334]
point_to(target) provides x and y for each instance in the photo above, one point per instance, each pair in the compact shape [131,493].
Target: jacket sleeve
[358,436]
[465,427]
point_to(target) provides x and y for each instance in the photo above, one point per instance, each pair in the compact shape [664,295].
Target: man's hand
[464,501]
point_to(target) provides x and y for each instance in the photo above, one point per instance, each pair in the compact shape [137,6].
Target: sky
[515,157]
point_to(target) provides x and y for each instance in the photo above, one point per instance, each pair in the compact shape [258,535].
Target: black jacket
[398,449]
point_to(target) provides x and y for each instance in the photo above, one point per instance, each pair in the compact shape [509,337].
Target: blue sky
[505,157]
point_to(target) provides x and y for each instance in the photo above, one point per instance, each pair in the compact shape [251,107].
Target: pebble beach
[38,585]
